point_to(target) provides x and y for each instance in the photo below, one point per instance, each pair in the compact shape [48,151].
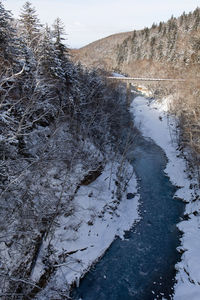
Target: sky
[88,20]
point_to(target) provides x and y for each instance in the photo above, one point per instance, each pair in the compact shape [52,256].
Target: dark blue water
[141,267]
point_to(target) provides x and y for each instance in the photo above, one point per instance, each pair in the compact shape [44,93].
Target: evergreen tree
[146,32]
[7,36]
[62,52]
[134,35]
[196,19]
[160,27]
[58,34]
[48,59]
[30,25]
[153,26]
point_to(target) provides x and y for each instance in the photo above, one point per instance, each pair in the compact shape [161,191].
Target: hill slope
[100,53]
[162,48]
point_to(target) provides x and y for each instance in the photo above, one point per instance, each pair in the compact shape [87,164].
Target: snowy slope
[83,237]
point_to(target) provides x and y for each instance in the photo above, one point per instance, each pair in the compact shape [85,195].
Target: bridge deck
[145,79]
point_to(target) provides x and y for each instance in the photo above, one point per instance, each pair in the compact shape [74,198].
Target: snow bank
[154,122]
[98,218]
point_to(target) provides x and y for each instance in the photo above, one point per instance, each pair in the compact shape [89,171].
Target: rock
[90,223]
[90,194]
[92,175]
[130,196]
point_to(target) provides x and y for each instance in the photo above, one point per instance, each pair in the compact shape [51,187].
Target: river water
[141,267]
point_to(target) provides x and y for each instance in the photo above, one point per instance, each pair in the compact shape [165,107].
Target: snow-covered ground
[98,218]
[155,123]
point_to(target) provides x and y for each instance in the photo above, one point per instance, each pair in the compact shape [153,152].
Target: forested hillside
[59,125]
[165,47]
[175,43]
[166,50]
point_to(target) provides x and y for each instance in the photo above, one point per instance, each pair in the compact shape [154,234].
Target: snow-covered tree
[62,51]
[67,66]
[49,62]
[30,25]
[58,34]
[50,110]
[8,43]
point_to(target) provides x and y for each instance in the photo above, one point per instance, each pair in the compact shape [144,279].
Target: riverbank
[99,217]
[152,118]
